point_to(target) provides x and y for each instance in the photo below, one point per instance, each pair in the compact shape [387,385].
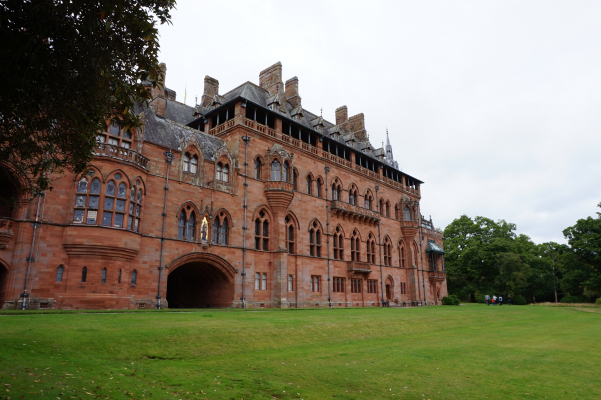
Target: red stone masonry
[198,269]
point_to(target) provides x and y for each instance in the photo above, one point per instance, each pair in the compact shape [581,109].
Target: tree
[67,67]
[582,269]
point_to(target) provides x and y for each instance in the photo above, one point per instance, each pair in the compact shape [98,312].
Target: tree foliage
[66,67]
[582,263]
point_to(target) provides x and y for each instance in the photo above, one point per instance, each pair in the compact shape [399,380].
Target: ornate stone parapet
[359,213]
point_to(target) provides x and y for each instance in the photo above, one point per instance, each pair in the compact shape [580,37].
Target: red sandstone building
[244,199]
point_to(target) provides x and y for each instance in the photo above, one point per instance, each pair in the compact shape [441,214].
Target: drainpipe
[327,169]
[246,139]
[31,258]
[421,250]
[380,247]
[168,158]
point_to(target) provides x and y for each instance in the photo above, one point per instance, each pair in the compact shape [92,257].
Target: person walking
[487,298]
[508,300]
[494,300]
[500,300]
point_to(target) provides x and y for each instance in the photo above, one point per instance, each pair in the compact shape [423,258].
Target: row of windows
[338,284]
[115,135]
[118,209]
[84,275]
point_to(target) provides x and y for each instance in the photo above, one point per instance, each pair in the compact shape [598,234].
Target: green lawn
[449,352]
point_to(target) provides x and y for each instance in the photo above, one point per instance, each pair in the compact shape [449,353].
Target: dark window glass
[59,274]
[119,277]
[110,188]
[119,220]
[129,219]
[108,203]
[258,227]
[122,191]
[216,230]
[137,211]
[84,274]
[78,216]
[106,218]
[95,188]
[93,201]
[224,229]
[265,228]
[121,205]
[191,223]
[181,225]
[134,277]
[80,201]
[114,129]
[103,279]
[127,134]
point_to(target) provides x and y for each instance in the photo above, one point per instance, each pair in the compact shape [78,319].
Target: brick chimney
[356,124]
[271,79]
[341,115]
[211,89]
[292,92]
[159,102]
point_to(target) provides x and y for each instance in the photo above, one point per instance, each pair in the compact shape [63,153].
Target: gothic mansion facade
[245,199]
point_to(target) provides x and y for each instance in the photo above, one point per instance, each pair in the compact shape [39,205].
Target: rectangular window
[129,220]
[80,201]
[78,216]
[338,285]
[106,218]
[290,283]
[92,215]
[136,224]
[121,205]
[93,201]
[264,282]
[372,286]
[125,144]
[356,285]
[315,283]
[108,203]
[118,220]
[114,142]
[257,281]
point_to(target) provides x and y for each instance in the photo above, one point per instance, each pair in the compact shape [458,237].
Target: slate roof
[179,112]
[169,133]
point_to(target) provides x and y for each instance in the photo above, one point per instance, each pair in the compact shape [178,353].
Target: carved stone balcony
[357,267]
[409,229]
[120,153]
[6,232]
[279,195]
[437,276]
[355,212]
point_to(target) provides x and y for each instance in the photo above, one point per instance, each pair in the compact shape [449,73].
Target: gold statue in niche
[204,229]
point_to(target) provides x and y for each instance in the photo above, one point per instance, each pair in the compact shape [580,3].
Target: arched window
[262,232]
[335,192]
[338,244]
[186,165]
[387,252]
[381,208]
[219,169]
[402,256]
[371,249]
[368,199]
[315,240]
[397,212]
[355,248]
[84,274]
[216,230]
[103,279]
[289,235]
[318,184]
[286,171]
[226,173]
[181,225]
[194,164]
[59,273]
[119,277]
[407,213]
[275,170]
[388,209]
[258,169]
[224,232]
[309,184]
[352,196]
[191,225]
[86,202]
[135,206]
[134,277]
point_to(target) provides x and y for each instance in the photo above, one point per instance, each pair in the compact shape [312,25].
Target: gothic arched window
[371,249]
[220,229]
[194,164]
[258,169]
[387,252]
[86,202]
[355,248]
[407,213]
[134,277]
[84,274]
[318,185]
[59,273]
[261,232]
[186,165]
[309,184]
[275,170]
[315,240]
[225,175]
[338,244]
[191,225]
[181,225]
[289,235]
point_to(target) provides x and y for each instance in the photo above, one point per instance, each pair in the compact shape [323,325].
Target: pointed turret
[388,148]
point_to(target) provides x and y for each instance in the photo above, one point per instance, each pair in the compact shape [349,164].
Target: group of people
[496,300]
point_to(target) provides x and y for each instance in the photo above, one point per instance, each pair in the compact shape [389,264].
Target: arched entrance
[389,287]
[200,280]
[9,192]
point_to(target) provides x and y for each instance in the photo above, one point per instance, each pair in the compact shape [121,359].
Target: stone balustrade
[120,153]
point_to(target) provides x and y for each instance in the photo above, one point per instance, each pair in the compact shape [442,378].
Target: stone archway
[200,280]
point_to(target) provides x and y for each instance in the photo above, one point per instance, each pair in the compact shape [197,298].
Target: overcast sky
[495,105]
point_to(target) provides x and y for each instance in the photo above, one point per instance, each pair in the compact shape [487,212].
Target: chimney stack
[292,92]
[341,115]
[159,93]
[210,90]
[271,79]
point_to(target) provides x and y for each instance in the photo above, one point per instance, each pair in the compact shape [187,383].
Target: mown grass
[465,352]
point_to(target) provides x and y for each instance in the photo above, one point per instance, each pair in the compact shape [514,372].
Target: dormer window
[115,135]
[223,172]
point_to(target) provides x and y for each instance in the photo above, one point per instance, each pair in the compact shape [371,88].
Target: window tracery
[371,249]
[315,240]
[221,229]
[262,231]
[338,244]
[355,246]
[387,252]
